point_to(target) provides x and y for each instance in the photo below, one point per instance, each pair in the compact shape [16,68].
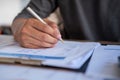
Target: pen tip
[61,40]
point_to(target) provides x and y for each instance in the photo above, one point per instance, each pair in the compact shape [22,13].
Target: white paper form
[76,58]
[104,62]
[59,52]
[17,72]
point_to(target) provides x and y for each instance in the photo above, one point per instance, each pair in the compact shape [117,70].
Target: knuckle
[23,30]
[30,21]
[45,37]
[26,29]
[44,28]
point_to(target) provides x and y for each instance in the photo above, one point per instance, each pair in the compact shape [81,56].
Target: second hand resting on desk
[38,17]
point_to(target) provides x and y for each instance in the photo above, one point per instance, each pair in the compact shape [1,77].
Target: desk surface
[22,72]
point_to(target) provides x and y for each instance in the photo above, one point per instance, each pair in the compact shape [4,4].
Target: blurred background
[8,10]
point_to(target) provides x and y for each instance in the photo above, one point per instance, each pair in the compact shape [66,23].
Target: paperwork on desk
[70,54]
[17,72]
[104,62]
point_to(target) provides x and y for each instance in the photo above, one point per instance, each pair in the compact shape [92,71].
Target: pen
[38,17]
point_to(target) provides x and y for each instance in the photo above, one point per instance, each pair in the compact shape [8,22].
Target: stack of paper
[71,54]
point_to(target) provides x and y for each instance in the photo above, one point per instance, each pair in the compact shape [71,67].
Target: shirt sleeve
[42,7]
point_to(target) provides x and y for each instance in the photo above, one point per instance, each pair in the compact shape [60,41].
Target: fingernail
[59,36]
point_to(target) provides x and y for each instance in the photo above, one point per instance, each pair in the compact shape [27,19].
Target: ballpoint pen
[39,18]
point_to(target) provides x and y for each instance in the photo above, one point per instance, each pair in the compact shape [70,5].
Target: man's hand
[31,33]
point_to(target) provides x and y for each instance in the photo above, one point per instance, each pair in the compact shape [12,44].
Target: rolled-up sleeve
[42,7]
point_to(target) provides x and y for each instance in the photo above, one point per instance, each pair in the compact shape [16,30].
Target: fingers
[50,29]
[41,36]
[29,42]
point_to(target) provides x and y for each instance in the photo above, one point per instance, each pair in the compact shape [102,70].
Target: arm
[32,33]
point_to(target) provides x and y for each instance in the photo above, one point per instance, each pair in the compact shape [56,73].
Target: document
[71,54]
[104,62]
